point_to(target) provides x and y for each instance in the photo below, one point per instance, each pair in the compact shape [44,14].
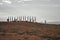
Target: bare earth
[29,31]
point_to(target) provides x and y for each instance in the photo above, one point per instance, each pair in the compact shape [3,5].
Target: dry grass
[29,31]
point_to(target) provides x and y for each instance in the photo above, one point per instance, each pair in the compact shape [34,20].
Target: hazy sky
[42,9]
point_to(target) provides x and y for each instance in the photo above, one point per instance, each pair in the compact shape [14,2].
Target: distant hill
[53,22]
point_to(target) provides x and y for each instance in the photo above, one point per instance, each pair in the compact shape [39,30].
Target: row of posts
[21,18]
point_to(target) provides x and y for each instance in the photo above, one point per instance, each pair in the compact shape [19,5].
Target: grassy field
[29,31]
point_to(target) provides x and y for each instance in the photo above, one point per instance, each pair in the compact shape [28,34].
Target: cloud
[42,9]
[20,1]
[7,1]
[50,5]
[27,0]
[1,3]
[45,0]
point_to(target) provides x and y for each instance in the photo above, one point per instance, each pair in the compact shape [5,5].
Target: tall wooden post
[35,19]
[15,19]
[45,21]
[32,19]
[25,18]
[12,18]
[8,19]
[19,18]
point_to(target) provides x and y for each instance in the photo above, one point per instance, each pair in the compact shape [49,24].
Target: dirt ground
[29,31]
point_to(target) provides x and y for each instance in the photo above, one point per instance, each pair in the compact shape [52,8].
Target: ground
[29,31]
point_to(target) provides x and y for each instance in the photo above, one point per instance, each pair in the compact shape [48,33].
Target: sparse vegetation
[2,34]
[30,31]
[14,30]
[2,30]
[21,33]
[33,32]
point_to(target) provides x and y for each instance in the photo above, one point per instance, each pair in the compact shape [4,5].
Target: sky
[42,9]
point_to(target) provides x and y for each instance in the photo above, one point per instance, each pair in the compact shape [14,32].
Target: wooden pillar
[25,18]
[19,18]
[30,18]
[45,21]
[8,19]
[12,18]
[34,19]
